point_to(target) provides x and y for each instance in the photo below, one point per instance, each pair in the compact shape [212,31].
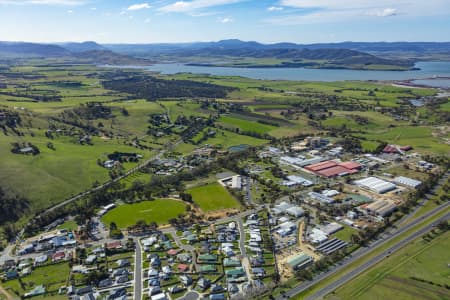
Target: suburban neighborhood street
[138,271]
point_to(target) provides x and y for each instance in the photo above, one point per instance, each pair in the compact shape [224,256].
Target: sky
[267,21]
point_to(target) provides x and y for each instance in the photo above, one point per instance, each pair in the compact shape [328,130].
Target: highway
[352,274]
[394,233]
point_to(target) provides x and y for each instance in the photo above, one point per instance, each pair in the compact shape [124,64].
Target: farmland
[245,125]
[213,196]
[158,210]
[59,99]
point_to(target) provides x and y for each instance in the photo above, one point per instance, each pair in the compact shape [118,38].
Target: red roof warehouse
[321,166]
[331,168]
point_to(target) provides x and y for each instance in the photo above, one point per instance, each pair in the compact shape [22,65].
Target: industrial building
[375,184]
[381,208]
[234,182]
[409,182]
[295,211]
[317,236]
[320,197]
[331,246]
[331,228]
[300,261]
[331,168]
[294,180]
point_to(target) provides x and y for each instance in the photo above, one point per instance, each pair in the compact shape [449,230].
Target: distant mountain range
[400,55]
[417,48]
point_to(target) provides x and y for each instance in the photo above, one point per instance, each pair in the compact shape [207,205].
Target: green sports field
[212,197]
[159,211]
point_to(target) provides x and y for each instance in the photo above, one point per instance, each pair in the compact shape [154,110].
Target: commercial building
[375,184]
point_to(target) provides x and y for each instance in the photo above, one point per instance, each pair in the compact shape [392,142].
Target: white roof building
[330,193]
[317,236]
[331,228]
[375,184]
[295,211]
[281,208]
[407,181]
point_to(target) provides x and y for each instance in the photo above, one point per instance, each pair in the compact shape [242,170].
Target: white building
[295,211]
[375,184]
[409,182]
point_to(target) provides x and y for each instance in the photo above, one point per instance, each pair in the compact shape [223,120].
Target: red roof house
[182,268]
[114,245]
[172,252]
[58,256]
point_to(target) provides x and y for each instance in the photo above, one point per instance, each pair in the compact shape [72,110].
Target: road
[361,252]
[138,271]
[426,198]
[248,190]
[90,191]
[352,274]
[6,254]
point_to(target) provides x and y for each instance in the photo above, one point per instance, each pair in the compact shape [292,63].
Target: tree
[443,225]
[9,231]
[355,238]
[51,146]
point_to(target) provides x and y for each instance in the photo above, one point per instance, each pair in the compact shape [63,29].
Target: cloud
[139,6]
[190,6]
[70,11]
[387,12]
[410,7]
[332,11]
[225,20]
[147,20]
[275,8]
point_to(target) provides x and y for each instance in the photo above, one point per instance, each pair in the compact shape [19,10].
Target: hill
[82,47]
[106,57]
[21,49]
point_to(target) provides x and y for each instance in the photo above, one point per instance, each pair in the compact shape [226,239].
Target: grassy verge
[367,257]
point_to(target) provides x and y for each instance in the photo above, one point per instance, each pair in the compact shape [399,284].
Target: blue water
[427,70]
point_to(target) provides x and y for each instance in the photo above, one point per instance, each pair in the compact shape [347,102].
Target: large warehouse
[375,184]
[330,168]
[407,181]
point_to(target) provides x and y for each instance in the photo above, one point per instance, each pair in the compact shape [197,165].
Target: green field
[68,225]
[158,210]
[225,139]
[55,175]
[52,277]
[419,137]
[212,197]
[345,233]
[245,125]
[397,276]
